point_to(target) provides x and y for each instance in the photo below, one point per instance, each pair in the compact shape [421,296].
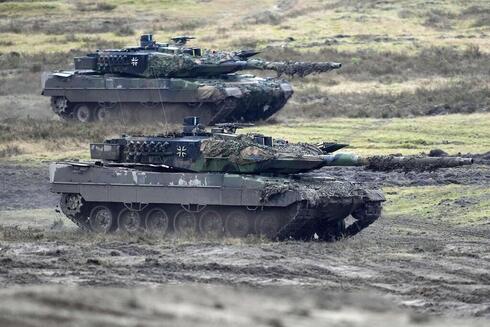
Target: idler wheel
[157,221]
[83,113]
[268,224]
[101,219]
[59,105]
[237,223]
[129,221]
[211,223]
[185,223]
[71,204]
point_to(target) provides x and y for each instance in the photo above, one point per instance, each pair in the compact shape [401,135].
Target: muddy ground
[404,270]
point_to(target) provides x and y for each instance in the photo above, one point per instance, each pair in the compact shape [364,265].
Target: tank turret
[154,60]
[173,80]
[195,150]
[221,183]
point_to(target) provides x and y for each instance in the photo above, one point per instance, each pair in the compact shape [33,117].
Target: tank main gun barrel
[292,68]
[390,163]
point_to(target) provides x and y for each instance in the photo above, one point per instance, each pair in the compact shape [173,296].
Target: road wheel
[237,223]
[102,114]
[129,221]
[101,219]
[157,221]
[211,223]
[268,224]
[185,223]
[83,113]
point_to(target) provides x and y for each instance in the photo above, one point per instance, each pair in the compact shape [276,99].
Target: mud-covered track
[210,221]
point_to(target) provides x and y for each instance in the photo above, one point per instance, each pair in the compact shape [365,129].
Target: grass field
[400,58]
[37,140]
[415,74]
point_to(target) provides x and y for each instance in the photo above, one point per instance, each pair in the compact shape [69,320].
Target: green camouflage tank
[219,183]
[169,81]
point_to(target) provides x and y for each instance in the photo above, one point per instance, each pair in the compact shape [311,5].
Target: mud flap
[365,215]
[307,220]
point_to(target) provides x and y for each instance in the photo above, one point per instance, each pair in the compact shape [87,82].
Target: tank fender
[233,92]
[375,195]
[208,92]
[287,89]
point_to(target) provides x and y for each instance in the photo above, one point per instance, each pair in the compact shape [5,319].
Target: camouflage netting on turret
[216,57]
[298,149]
[243,148]
[238,150]
[165,65]
[317,193]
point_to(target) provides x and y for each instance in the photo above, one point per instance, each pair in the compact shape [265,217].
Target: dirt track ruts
[413,264]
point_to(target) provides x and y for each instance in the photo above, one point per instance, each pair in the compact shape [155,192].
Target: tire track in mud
[426,272]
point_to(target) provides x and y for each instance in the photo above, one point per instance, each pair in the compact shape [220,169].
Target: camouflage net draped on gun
[165,65]
[243,149]
[293,68]
[414,163]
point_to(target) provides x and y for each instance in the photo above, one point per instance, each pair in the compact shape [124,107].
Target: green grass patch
[454,204]
[35,218]
[46,140]
[451,133]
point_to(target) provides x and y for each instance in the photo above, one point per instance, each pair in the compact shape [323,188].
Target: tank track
[78,220]
[299,223]
[304,225]
[229,110]
[75,210]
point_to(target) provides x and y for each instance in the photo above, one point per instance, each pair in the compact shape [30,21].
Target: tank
[221,183]
[169,81]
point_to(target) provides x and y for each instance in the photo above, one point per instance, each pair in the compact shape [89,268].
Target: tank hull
[216,203]
[88,97]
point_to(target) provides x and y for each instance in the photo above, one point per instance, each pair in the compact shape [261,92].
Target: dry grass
[391,46]
[10,151]
[38,140]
